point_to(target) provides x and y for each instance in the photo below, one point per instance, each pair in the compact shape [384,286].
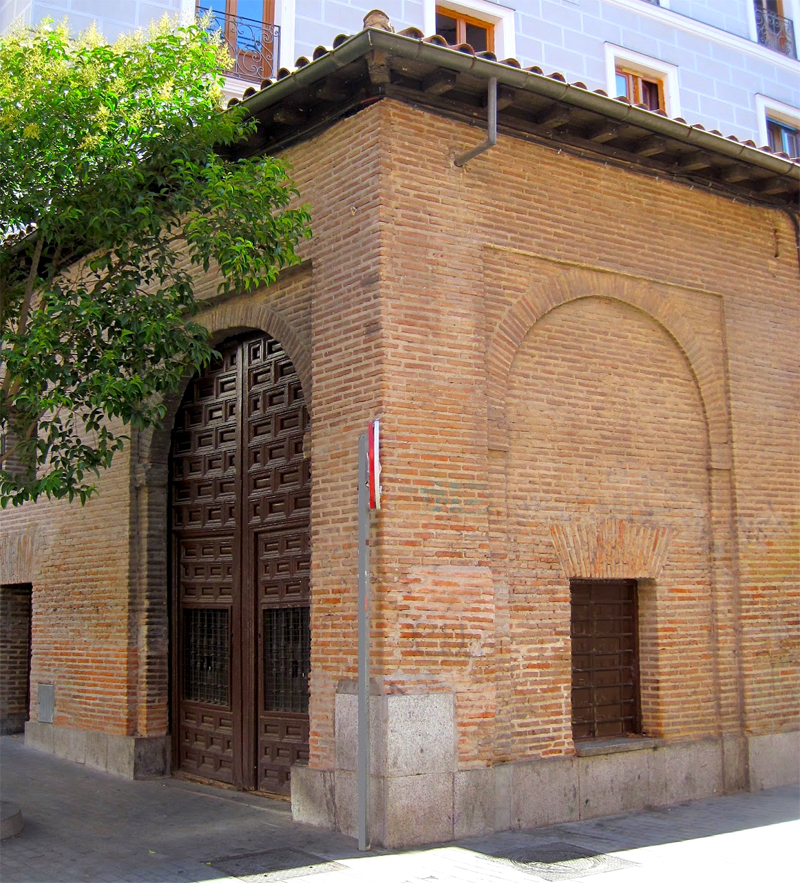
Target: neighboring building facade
[583,349]
[728,64]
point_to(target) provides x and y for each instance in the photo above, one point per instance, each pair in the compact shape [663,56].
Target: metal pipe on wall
[491,124]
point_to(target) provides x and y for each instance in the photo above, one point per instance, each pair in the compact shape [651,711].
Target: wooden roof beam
[774,186]
[439,82]
[603,133]
[330,91]
[505,97]
[554,117]
[380,73]
[289,116]
[650,146]
[735,174]
[695,162]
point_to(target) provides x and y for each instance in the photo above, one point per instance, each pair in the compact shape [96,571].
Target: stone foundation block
[313,796]
[544,793]
[39,736]
[346,732]
[12,723]
[685,771]
[420,735]
[473,803]
[613,783]
[134,757]
[70,743]
[774,760]
[419,809]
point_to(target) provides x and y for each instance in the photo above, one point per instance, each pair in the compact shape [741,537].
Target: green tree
[113,194]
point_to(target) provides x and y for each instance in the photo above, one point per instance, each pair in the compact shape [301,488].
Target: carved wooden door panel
[241,561]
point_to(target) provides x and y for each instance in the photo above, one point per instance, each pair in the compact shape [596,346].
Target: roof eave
[399,46]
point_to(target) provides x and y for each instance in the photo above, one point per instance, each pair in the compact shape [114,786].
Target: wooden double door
[240,506]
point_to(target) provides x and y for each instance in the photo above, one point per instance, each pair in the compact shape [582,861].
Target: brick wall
[326,314]
[604,306]
[15,624]
[83,641]
[605,422]
[341,176]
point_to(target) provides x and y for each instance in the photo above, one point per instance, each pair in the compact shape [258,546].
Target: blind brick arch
[594,532]
[703,351]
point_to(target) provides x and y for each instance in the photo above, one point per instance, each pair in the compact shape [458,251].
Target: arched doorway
[240,539]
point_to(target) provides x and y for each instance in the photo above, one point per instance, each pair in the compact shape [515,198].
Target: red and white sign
[375,465]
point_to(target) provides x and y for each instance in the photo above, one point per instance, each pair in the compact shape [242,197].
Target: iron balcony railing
[253,44]
[775,31]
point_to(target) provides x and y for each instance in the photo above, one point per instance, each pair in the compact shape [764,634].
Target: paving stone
[85,825]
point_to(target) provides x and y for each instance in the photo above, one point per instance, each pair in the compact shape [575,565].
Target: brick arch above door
[240,317]
[226,321]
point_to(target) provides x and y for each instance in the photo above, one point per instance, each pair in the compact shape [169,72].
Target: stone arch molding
[706,365]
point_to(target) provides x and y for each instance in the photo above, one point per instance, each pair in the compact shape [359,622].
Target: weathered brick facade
[582,372]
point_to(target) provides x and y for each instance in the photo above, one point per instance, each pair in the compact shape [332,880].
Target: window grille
[206,656]
[287,659]
[774,30]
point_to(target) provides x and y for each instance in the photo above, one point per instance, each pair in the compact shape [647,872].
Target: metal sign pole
[363,641]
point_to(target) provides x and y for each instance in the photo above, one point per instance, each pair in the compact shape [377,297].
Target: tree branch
[27,299]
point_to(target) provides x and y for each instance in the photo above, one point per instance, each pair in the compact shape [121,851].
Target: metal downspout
[491,123]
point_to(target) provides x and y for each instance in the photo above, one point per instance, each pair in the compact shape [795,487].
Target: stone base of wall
[774,760]
[436,807]
[134,757]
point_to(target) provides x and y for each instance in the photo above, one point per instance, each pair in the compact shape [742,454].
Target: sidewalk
[83,825]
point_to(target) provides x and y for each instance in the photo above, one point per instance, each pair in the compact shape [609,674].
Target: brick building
[583,348]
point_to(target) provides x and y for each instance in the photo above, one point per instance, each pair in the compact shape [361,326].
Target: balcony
[253,45]
[775,31]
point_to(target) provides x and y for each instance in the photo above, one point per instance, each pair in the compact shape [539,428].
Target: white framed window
[778,125]
[285,19]
[643,76]
[501,19]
